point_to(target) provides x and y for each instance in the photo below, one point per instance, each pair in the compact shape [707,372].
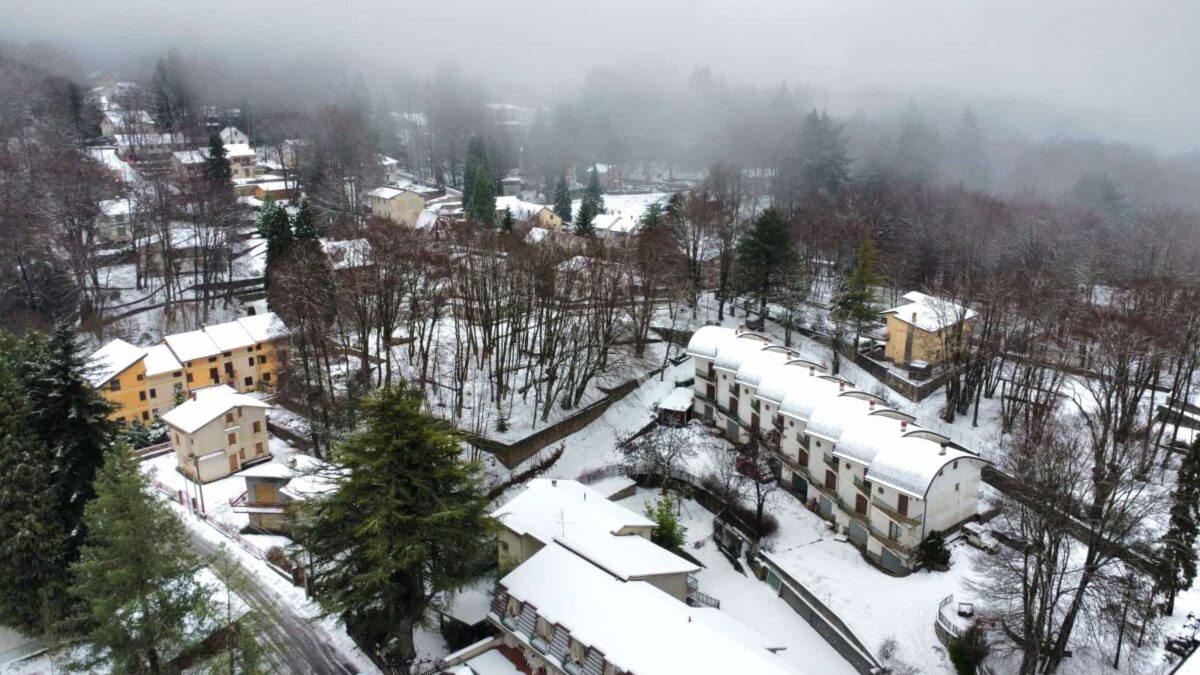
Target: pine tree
[933,552]
[305,227]
[1177,555]
[583,220]
[667,533]
[70,417]
[508,222]
[763,254]
[654,217]
[275,226]
[562,200]
[856,304]
[216,163]
[135,575]
[406,521]
[33,543]
[479,187]
[816,170]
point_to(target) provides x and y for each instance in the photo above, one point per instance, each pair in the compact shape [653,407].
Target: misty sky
[1130,69]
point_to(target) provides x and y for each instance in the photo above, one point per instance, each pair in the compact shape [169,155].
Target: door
[708,414]
[830,479]
[754,422]
[826,507]
[233,463]
[860,504]
[891,562]
[711,391]
[800,486]
[731,428]
[902,504]
[857,533]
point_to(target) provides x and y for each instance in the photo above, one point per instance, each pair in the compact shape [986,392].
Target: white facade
[872,471]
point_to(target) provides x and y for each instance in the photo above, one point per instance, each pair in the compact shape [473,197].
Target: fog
[1116,70]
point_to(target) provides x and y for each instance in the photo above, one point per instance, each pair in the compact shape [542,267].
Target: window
[242,454]
[140,377]
[212,374]
[115,385]
[227,354]
[266,377]
[189,377]
[262,359]
[818,444]
[141,396]
[153,393]
[249,381]
[956,487]
[178,373]
[120,420]
[177,441]
[146,418]
[231,438]
[258,448]
[212,359]
[955,464]
[504,546]
[893,531]
[229,418]
[257,427]
[249,350]
[258,347]
[250,361]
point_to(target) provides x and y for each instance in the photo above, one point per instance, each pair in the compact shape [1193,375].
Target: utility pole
[199,485]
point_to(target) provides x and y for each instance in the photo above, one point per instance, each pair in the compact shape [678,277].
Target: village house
[872,471]
[234,136]
[145,382]
[510,186]
[400,206]
[147,146]
[614,226]
[275,189]
[272,487]
[295,153]
[216,432]
[564,613]
[389,168]
[116,121]
[529,213]
[922,328]
[114,226]
[581,519]
[241,158]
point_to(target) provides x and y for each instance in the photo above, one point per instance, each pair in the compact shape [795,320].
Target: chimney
[871,404]
[812,370]
[192,395]
[553,482]
[903,426]
[914,318]
[841,385]
[942,450]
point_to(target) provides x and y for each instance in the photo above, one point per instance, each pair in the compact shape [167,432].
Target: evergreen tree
[933,552]
[654,217]
[135,575]
[562,200]
[216,163]
[667,533]
[1177,556]
[305,227]
[406,521]
[816,170]
[763,254]
[71,418]
[583,220]
[33,543]
[244,654]
[856,304]
[479,187]
[275,226]
[508,222]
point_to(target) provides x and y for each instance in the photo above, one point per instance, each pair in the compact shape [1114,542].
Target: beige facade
[399,206]
[217,432]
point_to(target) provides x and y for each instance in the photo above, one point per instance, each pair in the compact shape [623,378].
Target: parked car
[979,537]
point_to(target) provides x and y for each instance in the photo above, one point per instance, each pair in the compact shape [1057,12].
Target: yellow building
[924,327]
[146,382]
[396,205]
[537,215]
[217,431]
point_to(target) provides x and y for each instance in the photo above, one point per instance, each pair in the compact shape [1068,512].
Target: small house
[397,205]
[924,327]
[273,486]
[218,431]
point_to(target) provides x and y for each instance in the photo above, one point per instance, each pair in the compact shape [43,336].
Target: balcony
[777,422]
[892,543]
[755,404]
[830,460]
[862,485]
[707,374]
[891,512]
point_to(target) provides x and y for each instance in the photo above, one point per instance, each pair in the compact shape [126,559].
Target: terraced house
[147,382]
[872,471]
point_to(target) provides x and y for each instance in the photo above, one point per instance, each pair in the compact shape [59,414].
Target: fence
[827,624]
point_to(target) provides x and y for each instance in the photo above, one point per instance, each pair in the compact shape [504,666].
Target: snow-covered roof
[114,357]
[679,400]
[229,335]
[806,395]
[148,139]
[549,508]
[123,118]
[385,192]
[536,235]
[312,478]
[231,134]
[836,414]
[194,344]
[115,207]
[626,557]
[348,253]
[108,157]
[614,223]
[159,360]
[521,210]
[188,157]
[239,150]
[866,438]
[912,463]
[708,339]
[384,160]
[271,185]
[731,356]
[264,327]
[637,627]
[760,364]
[208,404]
[775,385]
[929,313]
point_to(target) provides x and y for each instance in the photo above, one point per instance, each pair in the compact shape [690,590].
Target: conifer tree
[562,200]
[856,304]
[71,418]
[667,533]
[763,254]
[479,188]
[1177,555]
[508,222]
[33,543]
[135,576]
[405,522]
[306,225]
[275,226]
[216,163]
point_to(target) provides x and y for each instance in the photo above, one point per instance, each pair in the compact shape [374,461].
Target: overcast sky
[1130,68]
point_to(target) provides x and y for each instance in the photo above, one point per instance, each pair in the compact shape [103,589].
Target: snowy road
[294,643]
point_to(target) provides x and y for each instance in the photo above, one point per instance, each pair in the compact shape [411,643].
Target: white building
[217,432]
[871,471]
[564,613]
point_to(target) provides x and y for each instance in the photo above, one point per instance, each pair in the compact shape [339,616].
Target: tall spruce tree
[275,226]
[816,170]
[1177,553]
[479,186]
[562,200]
[136,576]
[305,227]
[405,522]
[763,254]
[70,417]
[216,163]
[33,543]
[856,304]
[508,222]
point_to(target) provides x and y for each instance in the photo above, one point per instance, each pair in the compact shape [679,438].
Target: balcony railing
[755,404]
[891,542]
[830,460]
[777,422]
[891,512]
[706,374]
[862,485]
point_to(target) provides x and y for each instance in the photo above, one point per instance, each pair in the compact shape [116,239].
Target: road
[295,645]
